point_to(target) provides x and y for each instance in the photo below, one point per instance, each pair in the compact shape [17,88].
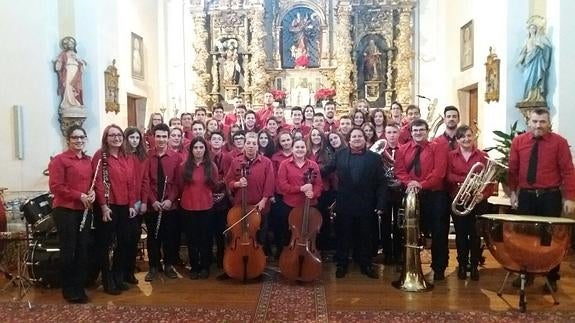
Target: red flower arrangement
[324,94]
[279,95]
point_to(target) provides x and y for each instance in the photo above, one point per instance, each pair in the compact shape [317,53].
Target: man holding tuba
[422,165]
[541,175]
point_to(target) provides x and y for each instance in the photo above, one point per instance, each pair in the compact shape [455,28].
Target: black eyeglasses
[77,137]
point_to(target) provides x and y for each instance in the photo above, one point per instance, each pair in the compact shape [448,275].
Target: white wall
[103,32]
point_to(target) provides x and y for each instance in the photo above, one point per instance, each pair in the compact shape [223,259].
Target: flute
[161,209]
[86,210]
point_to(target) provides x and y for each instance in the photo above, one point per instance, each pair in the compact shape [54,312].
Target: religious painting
[492,77]
[137,57]
[466,46]
[372,66]
[300,40]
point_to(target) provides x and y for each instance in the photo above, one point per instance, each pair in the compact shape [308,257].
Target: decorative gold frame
[466,46]
[492,77]
[137,53]
[111,83]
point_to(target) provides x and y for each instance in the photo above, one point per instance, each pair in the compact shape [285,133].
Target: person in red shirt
[134,146]
[250,121]
[412,113]
[318,121]
[331,124]
[176,143]
[272,127]
[451,120]
[163,172]
[200,115]
[175,122]
[467,239]
[358,118]
[115,194]
[155,119]
[187,119]
[291,181]
[379,122]
[266,144]
[231,117]
[297,123]
[422,165]
[266,111]
[345,125]
[70,181]
[221,197]
[199,178]
[396,112]
[279,116]
[285,144]
[541,175]
[308,113]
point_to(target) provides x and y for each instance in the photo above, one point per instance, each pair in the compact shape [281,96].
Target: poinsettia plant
[279,95]
[324,94]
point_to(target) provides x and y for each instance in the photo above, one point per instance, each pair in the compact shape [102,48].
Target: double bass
[300,259]
[244,258]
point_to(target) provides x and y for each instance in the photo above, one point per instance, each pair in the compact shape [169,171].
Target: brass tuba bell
[411,279]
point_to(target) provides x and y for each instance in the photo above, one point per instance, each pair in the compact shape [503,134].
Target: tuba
[469,193]
[411,279]
[379,147]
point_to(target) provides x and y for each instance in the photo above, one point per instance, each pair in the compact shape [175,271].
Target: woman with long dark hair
[115,196]
[266,143]
[70,181]
[199,180]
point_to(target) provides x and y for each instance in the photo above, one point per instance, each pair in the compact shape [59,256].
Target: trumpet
[469,193]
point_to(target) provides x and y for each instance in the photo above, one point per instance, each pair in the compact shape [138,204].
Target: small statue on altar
[69,68]
[372,61]
[230,68]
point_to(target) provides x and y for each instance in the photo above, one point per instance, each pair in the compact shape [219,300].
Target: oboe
[86,210]
[161,209]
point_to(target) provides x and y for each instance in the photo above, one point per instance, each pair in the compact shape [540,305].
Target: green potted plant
[504,147]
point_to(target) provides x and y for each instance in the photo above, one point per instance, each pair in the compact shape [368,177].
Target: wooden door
[473,120]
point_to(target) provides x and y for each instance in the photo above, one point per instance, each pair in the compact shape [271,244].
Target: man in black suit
[362,193]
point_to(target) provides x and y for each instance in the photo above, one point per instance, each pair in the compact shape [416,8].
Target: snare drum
[44,264]
[524,243]
[37,208]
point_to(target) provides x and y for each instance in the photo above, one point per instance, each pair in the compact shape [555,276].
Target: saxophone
[411,279]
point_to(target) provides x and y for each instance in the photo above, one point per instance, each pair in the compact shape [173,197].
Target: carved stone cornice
[405,55]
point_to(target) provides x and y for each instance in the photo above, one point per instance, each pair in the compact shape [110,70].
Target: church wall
[102,30]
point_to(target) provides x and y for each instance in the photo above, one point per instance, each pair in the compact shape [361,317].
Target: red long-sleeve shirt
[291,178]
[433,160]
[554,164]
[262,116]
[222,161]
[404,134]
[171,164]
[70,176]
[330,126]
[458,168]
[121,178]
[197,195]
[141,179]
[230,119]
[303,129]
[444,140]
[261,179]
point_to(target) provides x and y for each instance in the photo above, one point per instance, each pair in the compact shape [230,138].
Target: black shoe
[170,272]
[370,272]
[110,285]
[340,272]
[194,275]
[462,272]
[131,279]
[223,276]
[204,274]
[517,282]
[439,275]
[553,289]
[474,273]
[152,274]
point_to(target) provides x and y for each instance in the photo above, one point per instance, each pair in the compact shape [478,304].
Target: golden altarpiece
[360,48]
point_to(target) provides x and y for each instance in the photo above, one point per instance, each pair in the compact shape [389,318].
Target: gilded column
[200,66]
[259,84]
[215,75]
[405,56]
[343,73]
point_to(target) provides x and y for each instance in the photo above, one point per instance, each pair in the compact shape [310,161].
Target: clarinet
[161,210]
[86,210]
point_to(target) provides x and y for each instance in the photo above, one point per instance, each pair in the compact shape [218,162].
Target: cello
[300,259]
[244,258]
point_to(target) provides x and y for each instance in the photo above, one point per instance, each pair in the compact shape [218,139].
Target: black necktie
[416,163]
[161,178]
[532,169]
[452,141]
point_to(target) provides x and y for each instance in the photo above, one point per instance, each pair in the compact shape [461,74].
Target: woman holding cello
[300,181]
[251,179]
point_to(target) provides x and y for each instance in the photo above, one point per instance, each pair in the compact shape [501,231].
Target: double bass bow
[300,260]
[244,258]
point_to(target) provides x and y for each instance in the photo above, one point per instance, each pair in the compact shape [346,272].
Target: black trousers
[168,240]
[73,249]
[326,237]
[434,213]
[133,232]
[197,226]
[279,222]
[353,231]
[549,203]
[392,237]
[218,225]
[113,236]
[467,239]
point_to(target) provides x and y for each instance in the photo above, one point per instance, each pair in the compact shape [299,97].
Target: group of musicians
[184,176]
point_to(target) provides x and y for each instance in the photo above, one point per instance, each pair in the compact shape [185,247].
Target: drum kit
[526,245]
[37,248]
